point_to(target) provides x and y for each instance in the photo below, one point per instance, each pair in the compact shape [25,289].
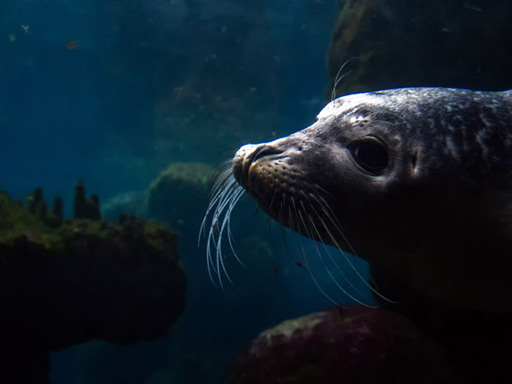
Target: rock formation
[81,280]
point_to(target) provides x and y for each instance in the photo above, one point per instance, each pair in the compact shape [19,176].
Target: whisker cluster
[311,215]
[225,194]
[307,213]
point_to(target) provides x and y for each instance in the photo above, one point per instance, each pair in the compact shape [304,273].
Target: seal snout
[247,156]
[262,151]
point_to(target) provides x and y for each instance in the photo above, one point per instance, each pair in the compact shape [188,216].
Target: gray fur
[437,217]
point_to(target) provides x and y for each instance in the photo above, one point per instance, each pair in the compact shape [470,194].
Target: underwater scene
[167,218]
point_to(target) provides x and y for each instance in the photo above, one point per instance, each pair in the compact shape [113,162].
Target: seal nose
[262,151]
[247,156]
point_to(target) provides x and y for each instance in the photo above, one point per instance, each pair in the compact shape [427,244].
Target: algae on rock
[83,279]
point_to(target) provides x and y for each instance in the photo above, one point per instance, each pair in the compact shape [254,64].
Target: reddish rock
[350,345]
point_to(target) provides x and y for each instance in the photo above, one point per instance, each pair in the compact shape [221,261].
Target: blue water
[111,92]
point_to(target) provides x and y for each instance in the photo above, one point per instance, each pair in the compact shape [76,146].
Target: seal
[417,181]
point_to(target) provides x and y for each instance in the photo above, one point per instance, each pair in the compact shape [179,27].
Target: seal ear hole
[371,154]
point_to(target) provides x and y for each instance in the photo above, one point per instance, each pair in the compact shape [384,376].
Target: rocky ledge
[64,282]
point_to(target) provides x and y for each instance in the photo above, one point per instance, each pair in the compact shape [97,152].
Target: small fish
[299,264]
[25,28]
[71,45]
[12,37]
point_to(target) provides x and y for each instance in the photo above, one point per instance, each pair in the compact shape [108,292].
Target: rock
[352,345]
[392,44]
[85,280]
[85,208]
[133,203]
[174,195]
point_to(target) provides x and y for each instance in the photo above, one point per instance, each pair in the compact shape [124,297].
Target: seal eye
[371,154]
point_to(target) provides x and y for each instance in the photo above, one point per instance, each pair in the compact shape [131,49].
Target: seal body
[417,181]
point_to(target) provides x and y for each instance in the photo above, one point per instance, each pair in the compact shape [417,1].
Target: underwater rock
[175,193]
[390,44]
[84,208]
[86,280]
[129,203]
[57,212]
[178,197]
[35,200]
[353,345]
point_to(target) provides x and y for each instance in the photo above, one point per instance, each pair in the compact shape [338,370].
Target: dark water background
[92,112]
[111,92]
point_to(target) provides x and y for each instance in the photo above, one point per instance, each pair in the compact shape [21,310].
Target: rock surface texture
[392,44]
[81,280]
[353,345]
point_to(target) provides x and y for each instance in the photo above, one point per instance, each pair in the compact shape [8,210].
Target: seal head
[417,181]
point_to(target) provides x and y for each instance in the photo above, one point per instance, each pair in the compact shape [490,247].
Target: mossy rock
[129,203]
[356,345]
[86,279]
[180,194]
[16,220]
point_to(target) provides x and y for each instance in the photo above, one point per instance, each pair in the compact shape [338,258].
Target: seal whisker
[335,222]
[272,200]
[322,260]
[224,182]
[237,195]
[327,212]
[225,195]
[306,262]
[338,78]
[280,216]
[217,203]
[232,198]
[291,223]
[209,260]
[225,176]
[215,229]
[344,254]
[327,250]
